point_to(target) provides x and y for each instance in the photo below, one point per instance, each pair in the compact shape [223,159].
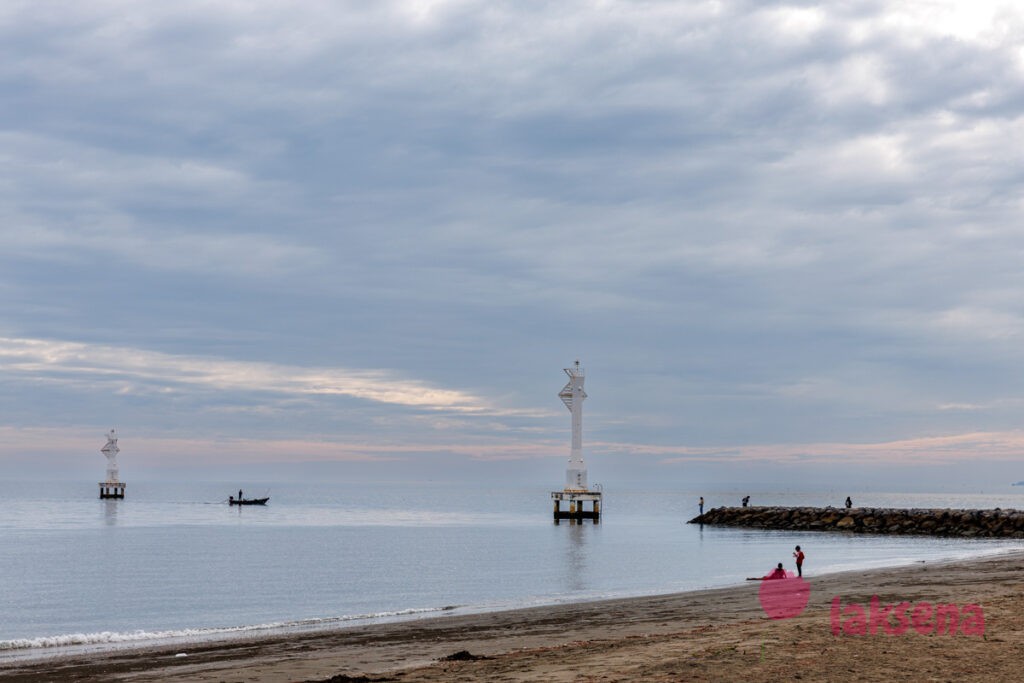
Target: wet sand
[715,635]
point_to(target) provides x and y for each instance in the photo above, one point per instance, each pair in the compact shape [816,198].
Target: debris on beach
[344,678]
[462,656]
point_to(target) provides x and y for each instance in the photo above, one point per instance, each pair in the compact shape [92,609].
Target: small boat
[248,501]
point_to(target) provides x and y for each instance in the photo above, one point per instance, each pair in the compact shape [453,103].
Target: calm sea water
[175,562]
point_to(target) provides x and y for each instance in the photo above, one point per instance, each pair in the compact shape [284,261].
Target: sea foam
[187,634]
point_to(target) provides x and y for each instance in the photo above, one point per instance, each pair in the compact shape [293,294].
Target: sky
[359,239]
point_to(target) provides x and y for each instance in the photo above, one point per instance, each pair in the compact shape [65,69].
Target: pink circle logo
[784,598]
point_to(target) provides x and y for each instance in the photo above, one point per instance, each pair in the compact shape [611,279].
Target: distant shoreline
[536,636]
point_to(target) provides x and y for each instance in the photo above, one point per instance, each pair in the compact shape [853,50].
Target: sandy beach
[715,635]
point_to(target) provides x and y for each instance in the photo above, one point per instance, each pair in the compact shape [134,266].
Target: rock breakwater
[995,523]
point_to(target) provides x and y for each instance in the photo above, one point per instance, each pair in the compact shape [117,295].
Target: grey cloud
[754,220]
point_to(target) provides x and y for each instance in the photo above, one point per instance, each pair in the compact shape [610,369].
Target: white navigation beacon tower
[112,487]
[576,490]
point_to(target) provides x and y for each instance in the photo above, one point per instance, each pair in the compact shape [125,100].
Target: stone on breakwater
[936,522]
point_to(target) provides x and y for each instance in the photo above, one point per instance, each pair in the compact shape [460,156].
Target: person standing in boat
[239,495]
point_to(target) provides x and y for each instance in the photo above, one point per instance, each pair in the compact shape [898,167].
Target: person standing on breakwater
[799,555]
[701,505]
[849,503]
[746,500]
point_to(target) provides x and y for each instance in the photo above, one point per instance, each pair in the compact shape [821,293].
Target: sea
[173,563]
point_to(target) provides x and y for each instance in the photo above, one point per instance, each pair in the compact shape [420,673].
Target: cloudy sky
[779,237]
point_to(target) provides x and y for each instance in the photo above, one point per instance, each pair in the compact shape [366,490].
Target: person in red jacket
[799,555]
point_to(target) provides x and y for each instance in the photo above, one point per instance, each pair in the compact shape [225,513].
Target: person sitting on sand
[777,573]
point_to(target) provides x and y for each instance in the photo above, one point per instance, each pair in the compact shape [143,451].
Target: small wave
[138,637]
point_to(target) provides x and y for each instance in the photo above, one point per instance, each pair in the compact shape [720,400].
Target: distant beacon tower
[576,490]
[112,487]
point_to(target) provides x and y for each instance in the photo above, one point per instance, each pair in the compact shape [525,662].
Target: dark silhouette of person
[849,503]
[746,501]
[239,494]
[777,573]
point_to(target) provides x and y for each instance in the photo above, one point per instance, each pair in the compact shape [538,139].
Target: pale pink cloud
[156,450]
[1003,445]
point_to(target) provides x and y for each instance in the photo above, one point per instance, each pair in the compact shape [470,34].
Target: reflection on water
[110,512]
[576,565]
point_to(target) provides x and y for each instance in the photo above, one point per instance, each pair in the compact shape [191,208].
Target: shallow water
[173,561]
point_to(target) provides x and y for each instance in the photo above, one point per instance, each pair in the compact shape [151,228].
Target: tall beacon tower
[113,487]
[576,489]
[572,396]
